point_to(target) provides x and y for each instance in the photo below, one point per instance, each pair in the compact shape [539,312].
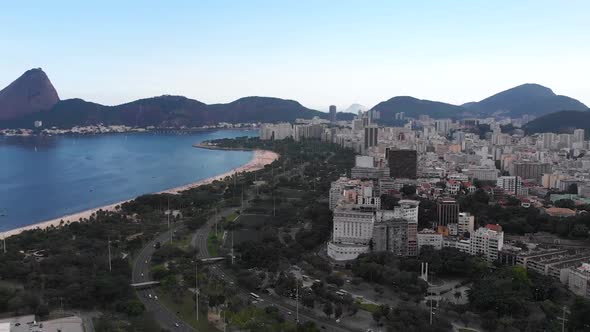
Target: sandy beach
[258,161]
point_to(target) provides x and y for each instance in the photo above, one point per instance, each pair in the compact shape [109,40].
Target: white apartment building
[510,184]
[428,237]
[279,131]
[461,245]
[465,223]
[487,241]
[407,210]
[352,232]
[577,280]
[484,174]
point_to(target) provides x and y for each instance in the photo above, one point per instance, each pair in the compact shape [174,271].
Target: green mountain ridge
[560,122]
[32,97]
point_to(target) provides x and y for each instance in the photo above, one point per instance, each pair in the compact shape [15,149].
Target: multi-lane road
[141,267]
[169,320]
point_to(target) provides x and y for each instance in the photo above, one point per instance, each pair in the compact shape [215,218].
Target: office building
[402,163]
[578,135]
[530,170]
[352,232]
[447,210]
[371,133]
[333,113]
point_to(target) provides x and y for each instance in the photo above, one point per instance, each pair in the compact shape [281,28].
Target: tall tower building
[579,135]
[447,211]
[402,163]
[370,136]
[333,113]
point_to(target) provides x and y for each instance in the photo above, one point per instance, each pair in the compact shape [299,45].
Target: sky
[317,52]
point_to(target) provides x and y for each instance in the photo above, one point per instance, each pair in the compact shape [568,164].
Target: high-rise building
[277,131]
[465,223]
[447,211]
[352,233]
[578,135]
[487,241]
[371,132]
[333,113]
[547,140]
[407,210]
[443,126]
[510,184]
[530,170]
[397,236]
[402,163]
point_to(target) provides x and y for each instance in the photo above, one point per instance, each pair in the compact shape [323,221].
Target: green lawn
[184,308]
[213,243]
[370,307]
[184,242]
[231,217]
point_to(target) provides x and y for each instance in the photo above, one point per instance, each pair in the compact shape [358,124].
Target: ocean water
[44,178]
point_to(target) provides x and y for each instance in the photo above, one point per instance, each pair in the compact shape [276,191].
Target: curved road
[169,320]
[289,311]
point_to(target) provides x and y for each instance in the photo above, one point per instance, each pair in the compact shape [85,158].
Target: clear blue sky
[317,52]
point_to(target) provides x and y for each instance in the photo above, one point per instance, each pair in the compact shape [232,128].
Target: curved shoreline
[260,159]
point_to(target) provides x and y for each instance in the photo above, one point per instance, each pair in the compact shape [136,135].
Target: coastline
[260,159]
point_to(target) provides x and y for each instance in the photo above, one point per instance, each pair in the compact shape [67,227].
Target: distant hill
[355,108]
[413,107]
[166,111]
[533,99]
[559,122]
[32,97]
[31,92]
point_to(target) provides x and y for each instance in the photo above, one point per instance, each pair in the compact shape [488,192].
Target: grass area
[213,243]
[370,307]
[184,307]
[184,242]
[231,217]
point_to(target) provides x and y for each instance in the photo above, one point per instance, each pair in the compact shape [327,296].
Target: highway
[169,320]
[200,241]
[166,318]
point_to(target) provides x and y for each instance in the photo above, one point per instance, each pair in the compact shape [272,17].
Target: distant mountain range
[532,99]
[559,122]
[32,97]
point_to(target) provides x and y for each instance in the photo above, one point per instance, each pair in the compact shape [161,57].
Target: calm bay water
[43,178]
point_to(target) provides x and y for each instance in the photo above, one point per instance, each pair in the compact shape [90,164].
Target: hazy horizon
[318,53]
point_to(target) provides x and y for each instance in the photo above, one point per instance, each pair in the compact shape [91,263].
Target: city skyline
[318,54]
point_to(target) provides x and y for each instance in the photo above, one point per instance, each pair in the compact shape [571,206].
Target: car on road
[176,324]
[150,296]
[155,297]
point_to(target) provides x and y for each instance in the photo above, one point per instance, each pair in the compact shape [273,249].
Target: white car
[176,324]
